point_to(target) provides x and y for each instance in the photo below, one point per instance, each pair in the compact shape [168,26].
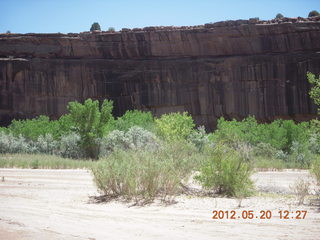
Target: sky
[52,16]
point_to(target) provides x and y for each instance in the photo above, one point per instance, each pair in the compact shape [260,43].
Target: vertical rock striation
[231,69]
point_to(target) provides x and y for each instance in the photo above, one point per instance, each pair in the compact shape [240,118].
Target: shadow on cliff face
[5,120]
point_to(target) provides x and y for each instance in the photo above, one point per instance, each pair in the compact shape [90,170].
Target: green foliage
[279,15]
[144,175]
[313,13]
[226,171]
[282,142]
[90,121]
[33,128]
[66,124]
[231,132]
[135,118]
[279,134]
[174,126]
[111,29]
[315,90]
[95,27]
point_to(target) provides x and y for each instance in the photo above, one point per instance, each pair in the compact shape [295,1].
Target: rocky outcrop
[231,69]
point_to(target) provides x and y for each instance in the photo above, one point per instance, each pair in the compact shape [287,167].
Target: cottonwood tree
[90,121]
[315,90]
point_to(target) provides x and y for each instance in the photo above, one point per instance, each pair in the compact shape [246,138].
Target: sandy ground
[55,204]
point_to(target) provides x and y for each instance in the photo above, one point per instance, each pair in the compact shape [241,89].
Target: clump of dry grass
[41,161]
[301,190]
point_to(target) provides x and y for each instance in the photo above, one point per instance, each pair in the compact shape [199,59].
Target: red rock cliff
[231,69]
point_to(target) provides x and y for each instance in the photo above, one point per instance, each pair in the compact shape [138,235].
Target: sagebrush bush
[140,138]
[12,144]
[301,189]
[143,175]
[300,154]
[69,146]
[316,170]
[265,150]
[314,136]
[134,139]
[45,145]
[226,172]
[199,138]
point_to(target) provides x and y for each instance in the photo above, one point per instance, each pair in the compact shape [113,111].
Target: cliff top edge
[227,23]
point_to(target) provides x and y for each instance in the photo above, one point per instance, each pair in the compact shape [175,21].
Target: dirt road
[54,204]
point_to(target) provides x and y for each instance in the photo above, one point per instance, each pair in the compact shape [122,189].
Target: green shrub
[264,150]
[135,118]
[280,134]
[33,128]
[226,172]
[227,131]
[232,132]
[144,175]
[174,126]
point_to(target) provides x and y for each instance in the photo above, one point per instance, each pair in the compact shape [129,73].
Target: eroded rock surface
[231,69]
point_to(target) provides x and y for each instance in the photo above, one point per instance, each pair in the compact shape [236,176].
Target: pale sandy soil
[54,204]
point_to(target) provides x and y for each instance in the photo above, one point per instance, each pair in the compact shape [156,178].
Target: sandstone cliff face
[232,70]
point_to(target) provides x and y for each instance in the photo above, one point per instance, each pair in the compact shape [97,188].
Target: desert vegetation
[139,157]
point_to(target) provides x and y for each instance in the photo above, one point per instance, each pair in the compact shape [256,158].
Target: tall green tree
[315,90]
[90,120]
[95,26]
